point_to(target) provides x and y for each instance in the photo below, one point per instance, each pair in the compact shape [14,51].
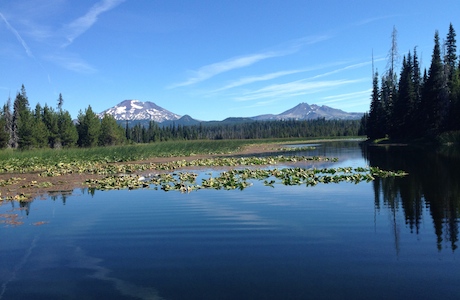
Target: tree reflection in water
[433,182]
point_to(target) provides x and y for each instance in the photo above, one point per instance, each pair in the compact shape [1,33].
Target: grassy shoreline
[25,175]
[35,160]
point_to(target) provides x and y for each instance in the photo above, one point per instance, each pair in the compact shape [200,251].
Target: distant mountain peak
[137,110]
[304,111]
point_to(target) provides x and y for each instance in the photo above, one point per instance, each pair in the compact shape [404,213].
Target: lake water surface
[386,239]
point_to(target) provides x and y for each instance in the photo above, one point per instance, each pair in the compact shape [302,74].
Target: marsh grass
[39,159]
[36,160]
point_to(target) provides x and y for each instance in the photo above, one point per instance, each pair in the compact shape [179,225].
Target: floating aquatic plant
[112,169]
[36,184]
[11,181]
[241,178]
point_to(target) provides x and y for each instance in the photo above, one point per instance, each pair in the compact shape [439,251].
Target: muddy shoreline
[29,186]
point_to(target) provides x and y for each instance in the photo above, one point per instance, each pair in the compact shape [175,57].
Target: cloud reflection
[103,273]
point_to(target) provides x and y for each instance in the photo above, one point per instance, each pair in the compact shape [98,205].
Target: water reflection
[433,185]
[292,242]
[22,263]
[102,273]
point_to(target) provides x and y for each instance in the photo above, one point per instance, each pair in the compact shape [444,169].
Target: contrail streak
[18,36]
[24,44]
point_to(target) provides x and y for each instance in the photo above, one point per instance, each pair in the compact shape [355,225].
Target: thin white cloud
[212,70]
[350,67]
[309,40]
[374,19]
[270,76]
[18,36]
[83,23]
[24,44]
[355,100]
[295,88]
[252,79]
[72,62]
[347,96]
[37,31]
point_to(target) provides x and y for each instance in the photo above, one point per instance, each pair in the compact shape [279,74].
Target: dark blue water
[388,239]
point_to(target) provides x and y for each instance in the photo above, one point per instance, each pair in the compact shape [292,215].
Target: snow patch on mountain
[137,110]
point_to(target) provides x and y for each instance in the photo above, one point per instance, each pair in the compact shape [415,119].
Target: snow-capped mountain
[137,110]
[303,111]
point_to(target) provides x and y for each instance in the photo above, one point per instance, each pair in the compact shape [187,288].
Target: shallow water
[388,239]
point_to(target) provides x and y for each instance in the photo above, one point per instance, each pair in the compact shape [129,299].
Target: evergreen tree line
[43,127]
[247,130]
[415,105]
[46,127]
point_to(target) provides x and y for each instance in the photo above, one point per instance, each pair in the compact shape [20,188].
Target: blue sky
[210,59]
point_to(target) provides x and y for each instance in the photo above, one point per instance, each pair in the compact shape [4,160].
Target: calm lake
[393,238]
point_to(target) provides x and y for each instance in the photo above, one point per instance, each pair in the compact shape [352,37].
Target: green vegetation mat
[241,178]
[42,159]
[116,164]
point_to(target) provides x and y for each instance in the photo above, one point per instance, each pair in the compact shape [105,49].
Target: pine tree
[453,80]
[23,127]
[68,134]
[387,95]
[391,79]
[435,97]
[39,130]
[389,86]
[20,110]
[8,122]
[363,127]
[405,102]
[416,118]
[50,119]
[450,58]
[4,134]
[393,57]
[416,76]
[111,132]
[454,112]
[376,119]
[127,131]
[25,130]
[88,128]
[60,102]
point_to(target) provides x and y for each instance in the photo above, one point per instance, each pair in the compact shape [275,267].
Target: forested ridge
[247,130]
[416,105]
[46,127]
